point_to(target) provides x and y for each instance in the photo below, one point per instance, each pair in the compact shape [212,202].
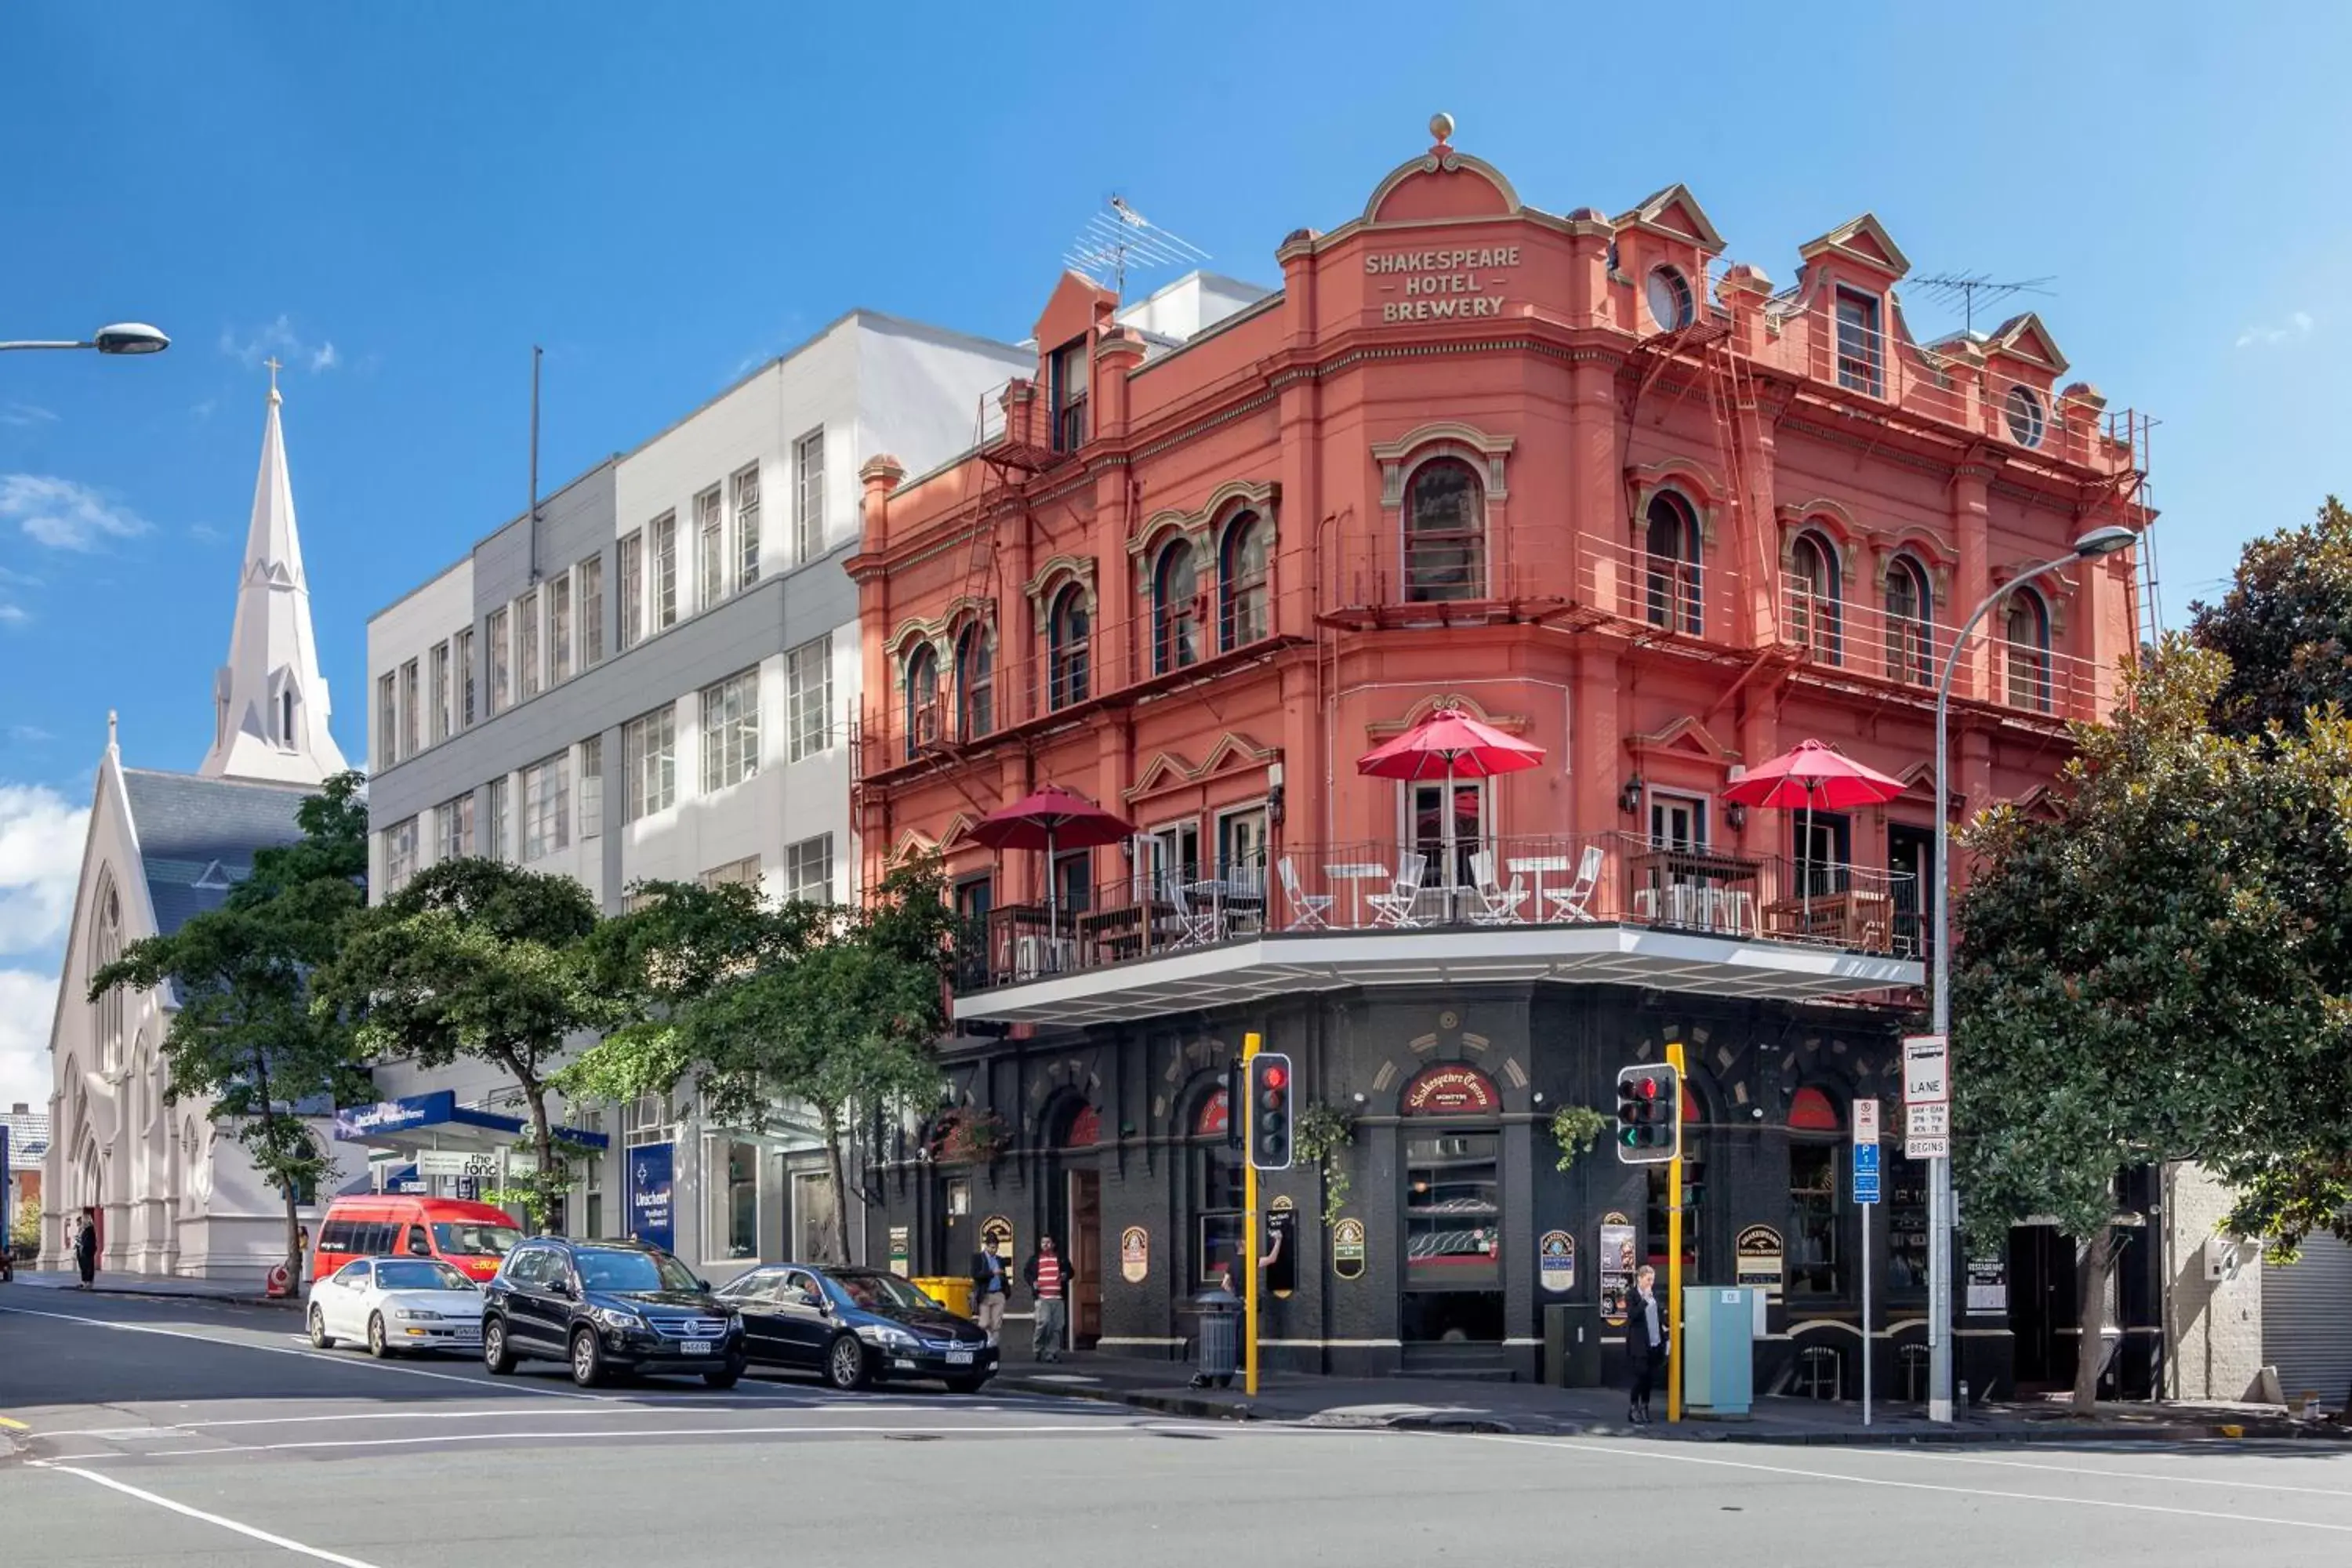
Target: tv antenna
[1963,288]
[1118,238]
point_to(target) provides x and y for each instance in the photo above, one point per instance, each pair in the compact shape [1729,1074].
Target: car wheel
[966,1385]
[378,1346]
[845,1364]
[587,1359]
[724,1377]
[320,1338]
[494,1353]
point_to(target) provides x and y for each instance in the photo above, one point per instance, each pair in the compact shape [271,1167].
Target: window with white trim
[1444,532]
[632,590]
[454,820]
[592,611]
[808,684]
[399,854]
[461,654]
[730,731]
[438,702]
[526,642]
[547,806]
[747,527]
[559,628]
[495,629]
[710,546]
[410,701]
[650,758]
[591,787]
[665,552]
[387,720]
[743,873]
[808,505]
[495,847]
[808,870]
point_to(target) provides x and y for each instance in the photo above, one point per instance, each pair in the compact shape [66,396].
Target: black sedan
[606,1308]
[856,1326]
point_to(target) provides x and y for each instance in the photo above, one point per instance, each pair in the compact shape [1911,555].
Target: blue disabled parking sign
[1865,1173]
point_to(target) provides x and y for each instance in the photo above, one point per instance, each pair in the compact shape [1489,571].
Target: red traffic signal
[1269,1138]
[1649,1120]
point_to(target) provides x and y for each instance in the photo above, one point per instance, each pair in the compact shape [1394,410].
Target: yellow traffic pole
[1674,1244]
[1249,1226]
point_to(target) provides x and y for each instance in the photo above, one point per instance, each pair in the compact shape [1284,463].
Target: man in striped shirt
[1050,1277]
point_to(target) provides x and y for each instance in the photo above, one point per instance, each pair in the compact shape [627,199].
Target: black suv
[607,1307]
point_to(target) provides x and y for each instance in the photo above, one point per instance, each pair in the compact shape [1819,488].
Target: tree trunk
[543,1139]
[293,1213]
[840,1190]
[2092,1268]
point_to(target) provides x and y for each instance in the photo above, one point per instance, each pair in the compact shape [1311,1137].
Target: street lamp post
[2097,543]
[121,338]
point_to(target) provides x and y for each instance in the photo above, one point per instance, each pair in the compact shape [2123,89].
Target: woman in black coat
[1646,1343]
[85,1248]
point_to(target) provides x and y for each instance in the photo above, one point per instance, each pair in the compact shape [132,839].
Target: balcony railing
[1491,883]
[1868,639]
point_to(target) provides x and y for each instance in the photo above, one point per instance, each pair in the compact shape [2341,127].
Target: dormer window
[1859,354]
[2025,418]
[1069,394]
[1670,299]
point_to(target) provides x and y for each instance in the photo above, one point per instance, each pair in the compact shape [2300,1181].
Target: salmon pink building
[1650,518]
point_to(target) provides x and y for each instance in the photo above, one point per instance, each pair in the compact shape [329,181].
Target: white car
[397,1304]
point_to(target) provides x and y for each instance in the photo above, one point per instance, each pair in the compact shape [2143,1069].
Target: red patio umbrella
[1449,744]
[1051,818]
[1813,774]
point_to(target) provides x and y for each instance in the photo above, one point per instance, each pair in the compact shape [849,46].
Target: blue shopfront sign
[650,1219]
[357,1123]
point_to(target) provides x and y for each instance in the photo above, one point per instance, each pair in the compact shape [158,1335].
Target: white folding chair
[1395,907]
[1499,905]
[1194,924]
[1307,909]
[1574,902]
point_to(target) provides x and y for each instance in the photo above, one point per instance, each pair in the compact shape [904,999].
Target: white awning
[1252,970]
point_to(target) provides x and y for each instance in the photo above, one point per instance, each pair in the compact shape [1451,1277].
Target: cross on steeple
[274,368]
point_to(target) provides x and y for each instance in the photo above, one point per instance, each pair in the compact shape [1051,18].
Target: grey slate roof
[197,835]
[28,1135]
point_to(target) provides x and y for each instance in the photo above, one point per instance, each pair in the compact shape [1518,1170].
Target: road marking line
[433,1437]
[1587,1446]
[2120,1475]
[13,1426]
[328,1356]
[230,1524]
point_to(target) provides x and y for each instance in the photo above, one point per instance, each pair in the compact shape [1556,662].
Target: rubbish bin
[1572,1344]
[1219,1338]
[949,1290]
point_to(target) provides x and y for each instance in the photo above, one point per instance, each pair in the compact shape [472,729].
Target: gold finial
[1441,127]
[274,368]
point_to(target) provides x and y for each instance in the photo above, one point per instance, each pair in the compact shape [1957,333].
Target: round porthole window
[1670,299]
[2025,423]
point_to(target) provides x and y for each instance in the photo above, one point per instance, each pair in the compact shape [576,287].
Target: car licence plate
[959,1358]
[695,1347]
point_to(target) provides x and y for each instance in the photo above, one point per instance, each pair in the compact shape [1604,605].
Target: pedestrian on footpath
[1645,1342]
[85,1247]
[989,1289]
[1050,1277]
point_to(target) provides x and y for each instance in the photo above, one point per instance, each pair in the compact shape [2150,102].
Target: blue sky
[400,200]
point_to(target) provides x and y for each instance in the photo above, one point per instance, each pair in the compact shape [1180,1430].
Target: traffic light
[1649,1115]
[1269,1111]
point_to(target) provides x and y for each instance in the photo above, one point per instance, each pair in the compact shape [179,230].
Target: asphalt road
[210,1436]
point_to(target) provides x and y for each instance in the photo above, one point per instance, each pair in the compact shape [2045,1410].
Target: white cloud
[28,1003]
[24,415]
[278,341]
[2297,325]
[205,533]
[63,514]
[29,734]
[41,836]
[14,615]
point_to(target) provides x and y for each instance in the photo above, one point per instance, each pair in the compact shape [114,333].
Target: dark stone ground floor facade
[1457,1235]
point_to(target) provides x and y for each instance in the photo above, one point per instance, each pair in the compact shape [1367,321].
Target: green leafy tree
[2285,625]
[476,958]
[2141,980]
[24,1231]
[245,1034]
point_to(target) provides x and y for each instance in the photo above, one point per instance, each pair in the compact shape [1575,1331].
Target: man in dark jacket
[1050,1276]
[990,1286]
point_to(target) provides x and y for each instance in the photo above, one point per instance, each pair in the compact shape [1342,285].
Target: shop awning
[436,1121]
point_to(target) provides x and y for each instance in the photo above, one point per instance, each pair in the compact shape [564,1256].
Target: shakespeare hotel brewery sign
[1440,284]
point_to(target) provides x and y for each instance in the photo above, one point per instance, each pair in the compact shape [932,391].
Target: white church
[174,1194]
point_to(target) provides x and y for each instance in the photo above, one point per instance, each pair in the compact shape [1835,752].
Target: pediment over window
[1261,496]
[1675,214]
[1388,728]
[1488,454]
[1684,737]
[1863,241]
[1169,770]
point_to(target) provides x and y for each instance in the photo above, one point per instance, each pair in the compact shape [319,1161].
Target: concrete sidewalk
[155,1286]
[1416,1404]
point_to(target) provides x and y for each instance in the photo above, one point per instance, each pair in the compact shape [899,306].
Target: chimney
[20,1109]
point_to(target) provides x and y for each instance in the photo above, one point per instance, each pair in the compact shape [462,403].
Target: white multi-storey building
[653,679]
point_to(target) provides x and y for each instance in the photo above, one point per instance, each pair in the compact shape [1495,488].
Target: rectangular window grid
[592,611]
[457,822]
[495,631]
[547,806]
[743,873]
[400,853]
[632,591]
[461,654]
[591,787]
[808,680]
[747,527]
[559,629]
[808,870]
[665,570]
[650,758]
[495,847]
[440,695]
[730,731]
[410,701]
[526,642]
[387,721]
[808,508]
[710,547]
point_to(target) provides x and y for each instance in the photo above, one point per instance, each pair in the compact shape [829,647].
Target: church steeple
[269,702]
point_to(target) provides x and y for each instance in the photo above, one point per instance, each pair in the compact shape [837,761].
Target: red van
[470,1237]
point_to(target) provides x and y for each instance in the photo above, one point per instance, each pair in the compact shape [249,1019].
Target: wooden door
[1087,1258]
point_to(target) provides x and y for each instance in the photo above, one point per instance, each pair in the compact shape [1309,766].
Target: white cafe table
[1538,866]
[1356,874]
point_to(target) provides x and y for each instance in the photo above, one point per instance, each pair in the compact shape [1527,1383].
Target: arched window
[1213,1187]
[1444,532]
[1671,544]
[105,947]
[1176,609]
[922,700]
[1910,612]
[1241,582]
[1066,644]
[975,683]
[2028,631]
[1813,609]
